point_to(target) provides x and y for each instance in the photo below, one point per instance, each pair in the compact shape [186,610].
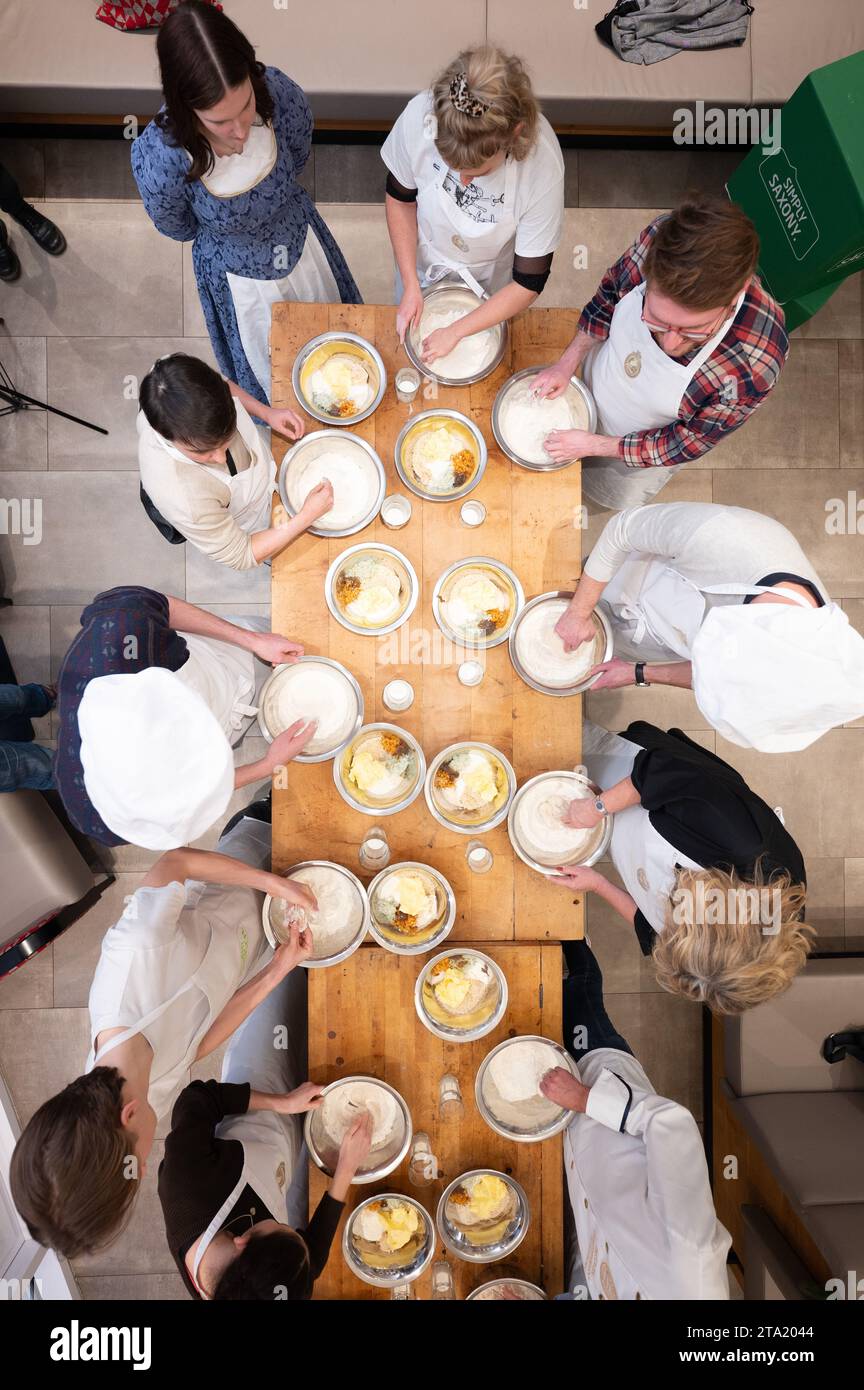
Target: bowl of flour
[535,824]
[313,687]
[338,924]
[537,652]
[475,357]
[507,1089]
[344,1100]
[354,470]
[521,421]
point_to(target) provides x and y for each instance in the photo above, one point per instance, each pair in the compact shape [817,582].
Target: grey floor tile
[76,952]
[99,168]
[826,898]
[613,941]
[571,177]
[26,630]
[117,272]
[141,1248]
[361,231]
[803,501]
[193,315]
[797,426]
[24,433]
[854,890]
[99,378]
[97,535]
[664,705]
[652,178]
[31,986]
[24,157]
[850,356]
[665,1033]
[133,1288]
[842,316]
[592,239]
[349,174]
[42,1050]
[207,581]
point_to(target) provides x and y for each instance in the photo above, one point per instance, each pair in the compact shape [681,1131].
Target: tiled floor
[83,329]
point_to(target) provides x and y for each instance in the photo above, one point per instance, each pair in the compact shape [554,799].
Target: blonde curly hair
[497,81]
[717,947]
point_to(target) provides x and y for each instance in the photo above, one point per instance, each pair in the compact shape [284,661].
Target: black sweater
[199,1171]
[705,809]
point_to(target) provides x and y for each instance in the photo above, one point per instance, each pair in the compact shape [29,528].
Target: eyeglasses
[696,337]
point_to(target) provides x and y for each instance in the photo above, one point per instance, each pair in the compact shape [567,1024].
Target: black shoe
[43,231]
[256,810]
[10,266]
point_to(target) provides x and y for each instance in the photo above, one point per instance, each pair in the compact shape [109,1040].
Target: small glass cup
[480,858]
[396,511]
[442,1280]
[407,384]
[401,1292]
[470,673]
[422,1165]
[398,695]
[472,512]
[450,1102]
[374,851]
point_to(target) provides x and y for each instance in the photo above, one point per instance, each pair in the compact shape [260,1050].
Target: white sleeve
[662,529]
[401,150]
[539,228]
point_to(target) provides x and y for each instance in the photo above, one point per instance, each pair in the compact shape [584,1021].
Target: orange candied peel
[347,588]
[463,466]
[445,776]
[393,745]
[405,921]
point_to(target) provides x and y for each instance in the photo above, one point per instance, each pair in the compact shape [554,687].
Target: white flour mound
[311,691]
[340,909]
[539,827]
[541,650]
[342,1107]
[351,472]
[468,357]
[526,420]
[517,1070]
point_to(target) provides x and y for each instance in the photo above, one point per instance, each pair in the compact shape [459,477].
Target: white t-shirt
[412,157]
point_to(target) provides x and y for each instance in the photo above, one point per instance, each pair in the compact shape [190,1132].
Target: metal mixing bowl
[504,573]
[294,455]
[549,465]
[528,1292]
[533,1133]
[274,680]
[405,1274]
[597,846]
[604,644]
[377,808]
[406,472]
[403,946]
[340,563]
[324,1153]
[477,827]
[374,360]
[348,950]
[454,1034]
[459,1244]
[454,295]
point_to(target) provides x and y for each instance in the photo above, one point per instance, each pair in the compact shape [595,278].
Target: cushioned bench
[360,62]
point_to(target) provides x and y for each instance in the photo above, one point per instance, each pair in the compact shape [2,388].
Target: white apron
[449,240]
[646,863]
[627,403]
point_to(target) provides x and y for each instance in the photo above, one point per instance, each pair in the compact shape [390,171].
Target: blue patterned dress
[237,235]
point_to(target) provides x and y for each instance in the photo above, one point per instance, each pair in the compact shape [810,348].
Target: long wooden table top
[363,1022]
[532,525]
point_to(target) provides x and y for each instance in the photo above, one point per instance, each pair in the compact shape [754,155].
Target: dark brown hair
[68,1175]
[202,56]
[187,402]
[703,253]
[274,1266]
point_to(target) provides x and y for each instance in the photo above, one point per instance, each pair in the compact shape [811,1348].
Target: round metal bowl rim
[477,560]
[550,869]
[561,691]
[399,805]
[469,1034]
[428,371]
[481,827]
[524,1283]
[326,661]
[441,933]
[551,1130]
[369,1277]
[379,468]
[466,488]
[334,608]
[346,951]
[334,335]
[507,1248]
[551,466]
[374,1174]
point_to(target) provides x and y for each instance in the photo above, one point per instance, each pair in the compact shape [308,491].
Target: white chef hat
[776,677]
[157,765]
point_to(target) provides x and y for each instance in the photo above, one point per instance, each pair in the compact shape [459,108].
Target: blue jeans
[584,1009]
[23,764]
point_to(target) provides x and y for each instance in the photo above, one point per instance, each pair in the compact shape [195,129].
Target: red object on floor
[139,14]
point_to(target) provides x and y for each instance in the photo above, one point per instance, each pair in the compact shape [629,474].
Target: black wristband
[640,674]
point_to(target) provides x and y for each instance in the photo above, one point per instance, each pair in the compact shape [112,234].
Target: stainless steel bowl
[406,473]
[459,1244]
[376,808]
[528,1292]
[604,644]
[321,528]
[339,564]
[405,1274]
[597,847]
[477,562]
[532,1134]
[549,466]
[477,827]
[319,962]
[324,1153]
[454,1034]
[274,680]
[442,930]
[367,350]
[455,295]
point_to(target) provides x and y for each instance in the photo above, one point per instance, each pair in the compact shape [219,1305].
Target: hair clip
[463,99]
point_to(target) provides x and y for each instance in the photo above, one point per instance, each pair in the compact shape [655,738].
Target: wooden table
[363,1022]
[532,525]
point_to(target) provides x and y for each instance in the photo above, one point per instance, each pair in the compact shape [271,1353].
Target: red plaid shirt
[727,388]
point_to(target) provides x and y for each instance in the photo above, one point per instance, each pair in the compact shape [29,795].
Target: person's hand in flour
[317,502]
[293,952]
[410,309]
[440,343]
[581,813]
[290,742]
[575,628]
[275,649]
[566,445]
[354,1149]
[551,382]
[562,1088]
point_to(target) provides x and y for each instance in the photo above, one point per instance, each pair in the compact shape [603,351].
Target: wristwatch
[640,674]
[599,806]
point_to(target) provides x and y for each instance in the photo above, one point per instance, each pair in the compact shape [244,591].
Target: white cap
[157,765]
[776,677]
